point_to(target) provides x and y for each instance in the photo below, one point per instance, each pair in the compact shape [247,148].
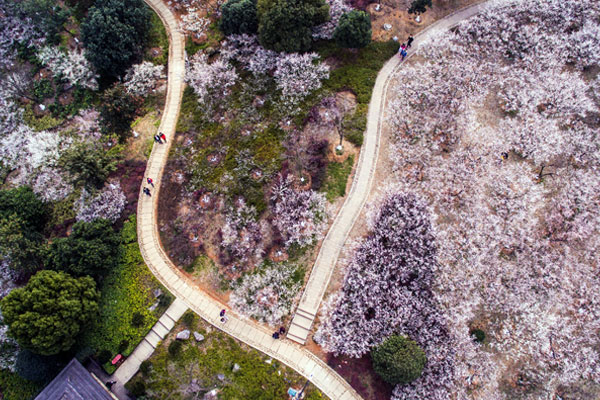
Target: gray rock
[236,368]
[157,292]
[221,377]
[199,337]
[183,335]
[153,306]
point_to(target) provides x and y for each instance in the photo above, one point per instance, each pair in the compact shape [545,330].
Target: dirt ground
[403,24]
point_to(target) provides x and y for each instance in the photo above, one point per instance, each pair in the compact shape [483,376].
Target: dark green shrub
[138,388]
[239,16]
[189,318]
[164,300]
[42,89]
[285,25]
[146,367]
[114,34]
[354,30]
[91,249]
[137,319]
[35,367]
[478,335]
[123,345]
[419,6]
[398,360]
[104,356]
[175,347]
[354,125]
[117,111]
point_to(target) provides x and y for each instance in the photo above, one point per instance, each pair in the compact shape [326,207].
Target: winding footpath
[190,296]
[361,185]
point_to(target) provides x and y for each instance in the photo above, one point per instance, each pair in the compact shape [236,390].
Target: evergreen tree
[353,30]
[47,314]
[398,360]
[239,16]
[91,249]
[286,25]
[114,34]
[419,6]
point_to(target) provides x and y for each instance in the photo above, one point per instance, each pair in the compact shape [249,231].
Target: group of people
[158,138]
[403,51]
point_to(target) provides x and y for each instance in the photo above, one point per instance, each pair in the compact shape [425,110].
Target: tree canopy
[117,112]
[419,6]
[89,164]
[114,34]
[286,25]
[398,360]
[22,219]
[48,16]
[353,30]
[239,16]
[47,314]
[91,249]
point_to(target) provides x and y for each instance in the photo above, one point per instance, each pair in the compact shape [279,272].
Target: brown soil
[359,373]
[403,24]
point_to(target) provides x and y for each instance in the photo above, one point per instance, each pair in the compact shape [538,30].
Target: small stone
[387,27]
[153,306]
[199,337]
[136,134]
[236,368]
[269,361]
[221,377]
[157,292]
[183,335]
[42,107]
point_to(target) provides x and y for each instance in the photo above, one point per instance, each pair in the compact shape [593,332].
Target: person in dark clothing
[222,313]
[281,330]
[157,139]
[276,335]
[409,41]
[147,191]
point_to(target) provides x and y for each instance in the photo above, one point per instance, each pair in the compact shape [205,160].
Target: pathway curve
[361,185]
[241,328]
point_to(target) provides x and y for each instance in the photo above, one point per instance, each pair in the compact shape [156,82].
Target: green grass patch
[13,387]
[337,178]
[43,123]
[157,37]
[127,290]
[169,376]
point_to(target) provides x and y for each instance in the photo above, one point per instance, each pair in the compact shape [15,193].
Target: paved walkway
[241,328]
[361,185]
[146,347]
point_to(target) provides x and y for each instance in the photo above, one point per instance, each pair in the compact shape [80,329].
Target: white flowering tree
[210,81]
[241,235]
[14,29]
[297,75]
[495,129]
[141,78]
[268,294]
[72,66]
[108,203]
[246,50]
[298,215]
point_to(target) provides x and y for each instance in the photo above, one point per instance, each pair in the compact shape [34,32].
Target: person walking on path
[403,54]
[150,181]
[281,330]
[409,41]
[157,139]
[222,313]
[163,137]
[147,191]
[275,335]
